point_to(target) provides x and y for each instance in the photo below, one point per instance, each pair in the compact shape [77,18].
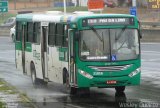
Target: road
[54,95]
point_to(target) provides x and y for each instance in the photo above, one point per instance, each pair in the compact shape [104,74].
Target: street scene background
[20,88]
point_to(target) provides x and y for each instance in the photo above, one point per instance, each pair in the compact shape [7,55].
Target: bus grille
[110,68]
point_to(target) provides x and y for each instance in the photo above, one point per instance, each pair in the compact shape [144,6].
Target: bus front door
[71,57]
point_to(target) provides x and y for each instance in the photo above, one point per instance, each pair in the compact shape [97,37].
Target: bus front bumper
[108,82]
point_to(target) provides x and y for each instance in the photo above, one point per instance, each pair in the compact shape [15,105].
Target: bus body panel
[29,57]
[102,81]
[55,73]
[58,58]
[18,54]
[56,65]
[37,58]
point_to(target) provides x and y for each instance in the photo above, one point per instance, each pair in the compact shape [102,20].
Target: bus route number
[98,73]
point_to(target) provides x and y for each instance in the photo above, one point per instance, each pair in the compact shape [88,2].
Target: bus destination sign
[107,21]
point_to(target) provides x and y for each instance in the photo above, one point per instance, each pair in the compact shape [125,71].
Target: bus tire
[120,89]
[70,90]
[65,75]
[35,80]
[42,82]
[73,90]
[85,90]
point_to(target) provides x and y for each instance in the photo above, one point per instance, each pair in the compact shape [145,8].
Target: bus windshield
[109,44]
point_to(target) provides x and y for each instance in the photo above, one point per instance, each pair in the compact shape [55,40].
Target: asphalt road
[147,95]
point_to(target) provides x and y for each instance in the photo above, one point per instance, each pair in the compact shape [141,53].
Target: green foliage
[71,9]
[2,105]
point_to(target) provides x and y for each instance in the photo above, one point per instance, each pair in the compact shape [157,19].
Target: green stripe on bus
[28,47]
[18,45]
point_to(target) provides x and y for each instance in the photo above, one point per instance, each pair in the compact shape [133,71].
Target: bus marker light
[85,74]
[111,82]
[135,72]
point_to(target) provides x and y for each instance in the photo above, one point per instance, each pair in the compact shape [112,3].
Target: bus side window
[36,33]
[51,34]
[59,34]
[18,31]
[29,32]
[65,36]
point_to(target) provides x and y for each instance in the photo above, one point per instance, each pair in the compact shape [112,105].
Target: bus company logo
[36,55]
[112,63]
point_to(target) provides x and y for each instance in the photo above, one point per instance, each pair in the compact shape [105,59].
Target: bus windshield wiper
[95,31]
[120,34]
[121,45]
[98,35]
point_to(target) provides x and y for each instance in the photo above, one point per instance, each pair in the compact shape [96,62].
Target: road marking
[150,60]
[152,74]
[75,106]
[150,43]
[153,52]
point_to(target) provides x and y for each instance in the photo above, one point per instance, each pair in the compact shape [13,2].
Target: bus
[80,49]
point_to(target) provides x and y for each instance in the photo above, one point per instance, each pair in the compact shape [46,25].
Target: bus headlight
[85,74]
[135,72]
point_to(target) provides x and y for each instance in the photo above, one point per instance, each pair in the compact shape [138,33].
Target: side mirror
[77,35]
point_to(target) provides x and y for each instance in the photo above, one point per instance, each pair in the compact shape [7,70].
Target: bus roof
[37,17]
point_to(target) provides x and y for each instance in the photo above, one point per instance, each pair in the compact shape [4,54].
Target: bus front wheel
[120,89]
[73,90]
[70,90]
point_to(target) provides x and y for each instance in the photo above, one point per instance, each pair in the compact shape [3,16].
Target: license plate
[111,82]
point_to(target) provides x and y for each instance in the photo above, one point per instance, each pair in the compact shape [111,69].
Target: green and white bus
[80,50]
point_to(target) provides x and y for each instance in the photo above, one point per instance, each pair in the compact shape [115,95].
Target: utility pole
[64,2]
[15,7]
[134,3]
[77,2]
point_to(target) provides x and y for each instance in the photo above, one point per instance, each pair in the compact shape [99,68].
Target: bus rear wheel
[34,78]
[33,75]
[120,89]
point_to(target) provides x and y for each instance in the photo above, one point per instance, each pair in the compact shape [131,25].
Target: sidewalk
[11,98]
